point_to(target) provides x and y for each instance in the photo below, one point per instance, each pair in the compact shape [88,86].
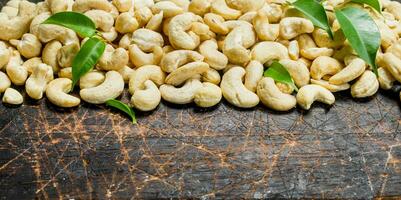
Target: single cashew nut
[126,72]
[155,22]
[5,82]
[144,73]
[102,19]
[13,97]
[85,5]
[111,88]
[291,27]
[207,96]
[125,41]
[216,23]
[271,96]
[180,75]
[237,42]
[175,59]
[148,98]
[36,84]
[293,50]
[126,23]
[15,70]
[235,92]
[143,16]
[367,85]
[29,46]
[211,76]
[265,52]
[66,55]
[352,71]
[386,80]
[109,36]
[113,59]
[324,65]
[5,54]
[49,54]
[177,31]
[57,93]
[200,7]
[221,8]
[49,32]
[254,73]
[91,79]
[15,27]
[265,30]
[314,52]
[213,56]
[140,58]
[147,39]
[298,71]
[392,64]
[311,93]
[65,73]
[123,5]
[331,87]
[182,95]
[169,9]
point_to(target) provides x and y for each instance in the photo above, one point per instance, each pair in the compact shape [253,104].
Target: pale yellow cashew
[271,96]
[49,32]
[15,27]
[298,71]
[57,93]
[273,11]
[311,93]
[265,52]
[125,41]
[142,74]
[246,5]
[322,38]
[324,65]
[146,39]
[235,92]
[85,5]
[291,27]
[65,73]
[221,8]
[143,16]
[5,82]
[155,22]
[293,50]
[140,58]
[213,56]
[66,55]
[177,31]
[395,49]
[33,63]
[202,30]
[126,72]
[388,37]
[109,36]
[15,71]
[207,96]
[142,4]
[11,8]
[29,46]
[237,42]
[13,97]
[352,71]
[175,59]
[49,54]
[367,85]
[386,80]
[200,7]
[102,19]
[57,6]
[5,54]
[265,30]
[248,16]
[169,9]
[331,87]
[254,73]
[91,79]
[211,76]
[392,64]
[180,75]
[182,95]
[123,5]
[314,52]
[394,8]
[216,23]
[148,98]
[36,84]
[113,59]
[126,23]
[111,88]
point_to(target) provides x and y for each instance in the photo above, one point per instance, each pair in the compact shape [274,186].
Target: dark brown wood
[349,150]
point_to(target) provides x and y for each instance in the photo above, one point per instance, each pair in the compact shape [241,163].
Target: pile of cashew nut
[197,51]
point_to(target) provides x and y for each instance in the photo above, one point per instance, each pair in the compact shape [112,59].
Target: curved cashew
[182,95]
[265,52]
[291,27]
[13,97]
[85,5]
[386,80]
[322,38]
[113,59]
[311,93]
[298,71]
[392,64]
[216,23]
[155,22]
[175,59]
[37,21]
[125,41]
[29,46]
[211,76]
[15,71]
[143,15]
[314,52]
[177,31]
[237,42]
[65,73]
[265,30]
[221,8]
[66,55]
[207,96]
[293,50]
[91,79]
[36,84]
[142,74]
[57,93]
[324,65]
[15,27]
[111,88]
[331,87]
[366,86]
[49,54]
[349,73]
[57,6]
[5,82]
[273,11]
[102,19]
[5,54]
[168,8]
[213,56]
[49,32]
[246,5]
[200,7]
[235,92]
[271,96]
[146,39]
[140,58]
[285,88]
[148,98]
[109,36]
[123,5]
[248,16]
[33,63]
[202,30]
[126,72]
[11,8]
[254,73]
[388,36]
[180,75]
[126,23]
[395,49]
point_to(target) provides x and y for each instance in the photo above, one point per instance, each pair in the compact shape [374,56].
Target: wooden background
[349,150]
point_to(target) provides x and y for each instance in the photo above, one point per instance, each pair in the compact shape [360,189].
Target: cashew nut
[65,73]
[5,54]
[324,65]
[180,75]
[15,71]
[111,88]
[175,59]
[298,71]
[213,56]
[140,58]
[13,97]
[5,82]
[85,5]
[200,7]
[123,5]
[155,22]
[49,54]
[49,32]
[57,6]
[293,50]
[271,96]
[211,76]
[168,8]
[386,80]
[102,19]
[331,87]
[177,31]
[182,95]
[311,93]
[265,30]
[91,79]
[291,27]
[216,23]
[36,84]
[392,64]
[66,55]
[314,52]
[207,96]
[221,8]
[126,23]
[352,71]
[254,73]
[366,86]
[142,74]
[57,93]
[146,39]
[265,52]
[235,92]
[29,46]
[113,59]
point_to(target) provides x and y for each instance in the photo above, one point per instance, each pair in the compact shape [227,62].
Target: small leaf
[315,12]
[280,74]
[122,107]
[375,4]
[86,58]
[78,22]
[361,32]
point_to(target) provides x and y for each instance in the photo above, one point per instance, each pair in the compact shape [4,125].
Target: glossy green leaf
[375,4]
[77,22]
[361,32]
[122,107]
[315,12]
[280,74]
[86,58]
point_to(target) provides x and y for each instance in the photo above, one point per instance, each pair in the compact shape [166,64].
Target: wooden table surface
[349,150]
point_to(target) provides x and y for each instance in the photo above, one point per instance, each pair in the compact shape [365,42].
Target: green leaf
[315,12]
[78,22]
[122,107]
[280,74]
[375,4]
[361,32]
[86,58]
